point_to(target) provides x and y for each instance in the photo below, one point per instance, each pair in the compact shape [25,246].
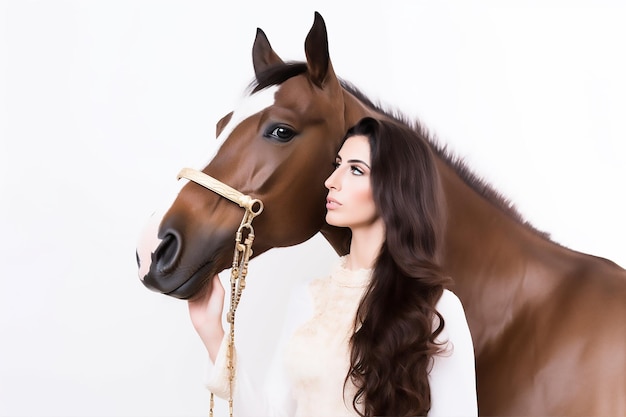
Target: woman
[381,335]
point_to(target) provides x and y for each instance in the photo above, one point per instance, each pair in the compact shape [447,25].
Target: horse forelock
[277,74]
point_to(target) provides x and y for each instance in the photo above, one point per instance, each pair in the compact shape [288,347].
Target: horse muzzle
[166,268]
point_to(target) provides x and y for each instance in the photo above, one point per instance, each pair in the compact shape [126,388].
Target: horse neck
[355,110]
[498,264]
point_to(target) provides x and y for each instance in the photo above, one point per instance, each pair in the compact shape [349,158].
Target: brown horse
[548,323]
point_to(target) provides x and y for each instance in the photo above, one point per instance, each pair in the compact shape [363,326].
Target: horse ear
[221,124]
[262,53]
[317,56]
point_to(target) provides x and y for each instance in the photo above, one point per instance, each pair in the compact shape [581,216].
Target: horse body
[548,323]
[560,353]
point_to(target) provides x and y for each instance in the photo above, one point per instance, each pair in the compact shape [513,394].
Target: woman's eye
[280,133]
[356,170]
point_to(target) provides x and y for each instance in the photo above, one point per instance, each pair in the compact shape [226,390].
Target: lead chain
[238,273]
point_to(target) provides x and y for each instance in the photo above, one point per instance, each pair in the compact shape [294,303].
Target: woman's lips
[331,203]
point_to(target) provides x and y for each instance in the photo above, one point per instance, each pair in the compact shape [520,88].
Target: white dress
[307,375]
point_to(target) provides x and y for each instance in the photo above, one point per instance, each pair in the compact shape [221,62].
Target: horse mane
[277,74]
[476,183]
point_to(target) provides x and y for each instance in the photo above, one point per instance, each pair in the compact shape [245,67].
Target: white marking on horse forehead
[149,240]
[247,107]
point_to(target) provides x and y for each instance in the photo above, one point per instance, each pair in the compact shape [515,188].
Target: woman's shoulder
[448,301]
[451,309]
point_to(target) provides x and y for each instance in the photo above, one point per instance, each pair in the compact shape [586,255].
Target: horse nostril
[166,255]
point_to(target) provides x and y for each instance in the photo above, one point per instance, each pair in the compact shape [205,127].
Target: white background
[101,103]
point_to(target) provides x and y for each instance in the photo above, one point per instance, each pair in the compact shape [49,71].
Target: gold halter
[243,252]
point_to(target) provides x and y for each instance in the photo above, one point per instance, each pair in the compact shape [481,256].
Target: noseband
[244,201]
[243,252]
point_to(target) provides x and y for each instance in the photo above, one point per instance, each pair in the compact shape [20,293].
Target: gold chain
[238,273]
[241,257]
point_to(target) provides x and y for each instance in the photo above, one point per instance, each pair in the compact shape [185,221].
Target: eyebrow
[352,161]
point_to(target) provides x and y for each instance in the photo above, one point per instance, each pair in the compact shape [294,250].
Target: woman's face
[350,202]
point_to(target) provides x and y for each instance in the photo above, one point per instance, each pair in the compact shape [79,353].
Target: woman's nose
[330,181]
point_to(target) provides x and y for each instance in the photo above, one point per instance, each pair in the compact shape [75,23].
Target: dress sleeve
[274,398]
[453,376]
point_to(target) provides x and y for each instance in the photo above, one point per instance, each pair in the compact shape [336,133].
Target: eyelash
[353,168]
[358,170]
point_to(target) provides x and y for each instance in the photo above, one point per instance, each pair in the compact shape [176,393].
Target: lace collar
[344,277]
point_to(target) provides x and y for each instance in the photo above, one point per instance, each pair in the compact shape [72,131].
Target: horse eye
[280,133]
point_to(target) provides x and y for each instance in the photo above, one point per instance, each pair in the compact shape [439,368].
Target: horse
[548,323]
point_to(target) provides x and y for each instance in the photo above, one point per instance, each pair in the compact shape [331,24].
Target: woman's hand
[206,317]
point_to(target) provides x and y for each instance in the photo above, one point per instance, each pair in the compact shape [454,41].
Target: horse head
[270,147]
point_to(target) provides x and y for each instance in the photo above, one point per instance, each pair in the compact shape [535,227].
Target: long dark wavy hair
[393,344]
